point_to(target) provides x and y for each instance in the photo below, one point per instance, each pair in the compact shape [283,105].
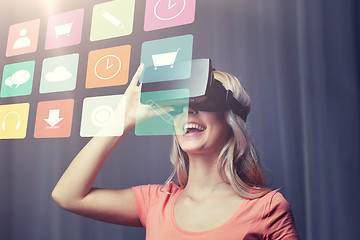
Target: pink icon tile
[54,119]
[64,29]
[23,38]
[168,13]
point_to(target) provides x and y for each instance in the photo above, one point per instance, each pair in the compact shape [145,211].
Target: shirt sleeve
[146,196]
[280,220]
[143,199]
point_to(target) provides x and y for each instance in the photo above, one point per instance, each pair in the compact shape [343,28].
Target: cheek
[179,122]
[223,133]
[221,130]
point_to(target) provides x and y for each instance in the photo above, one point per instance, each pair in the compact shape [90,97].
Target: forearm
[77,180]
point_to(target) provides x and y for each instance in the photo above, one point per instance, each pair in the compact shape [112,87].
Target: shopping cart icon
[164,59]
[63,29]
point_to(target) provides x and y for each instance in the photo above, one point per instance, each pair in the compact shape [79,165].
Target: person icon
[23,41]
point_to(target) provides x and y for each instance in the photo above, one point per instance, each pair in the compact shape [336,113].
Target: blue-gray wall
[298,60]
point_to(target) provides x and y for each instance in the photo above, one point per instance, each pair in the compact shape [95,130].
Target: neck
[204,178]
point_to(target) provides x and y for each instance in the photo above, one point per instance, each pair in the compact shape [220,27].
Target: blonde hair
[238,163]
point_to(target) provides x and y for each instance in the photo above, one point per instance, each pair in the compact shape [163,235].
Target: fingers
[167,109]
[137,75]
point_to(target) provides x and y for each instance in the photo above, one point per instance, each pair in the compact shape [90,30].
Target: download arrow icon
[53,117]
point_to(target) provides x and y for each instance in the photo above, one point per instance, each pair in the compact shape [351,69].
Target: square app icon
[23,38]
[167,59]
[170,113]
[108,67]
[17,79]
[103,116]
[54,119]
[59,73]
[168,13]
[14,120]
[64,29]
[112,19]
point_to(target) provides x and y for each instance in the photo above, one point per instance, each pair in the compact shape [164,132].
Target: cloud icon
[59,74]
[18,78]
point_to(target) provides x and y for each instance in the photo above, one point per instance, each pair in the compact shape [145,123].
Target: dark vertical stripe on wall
[301,17]
[343,115]
[356,29]
[329,73]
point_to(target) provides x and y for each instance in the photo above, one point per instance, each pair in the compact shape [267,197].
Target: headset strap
[220,94]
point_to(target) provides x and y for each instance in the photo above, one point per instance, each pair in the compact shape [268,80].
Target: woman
[221,192]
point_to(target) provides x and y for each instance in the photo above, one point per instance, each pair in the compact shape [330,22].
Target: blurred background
[299,61]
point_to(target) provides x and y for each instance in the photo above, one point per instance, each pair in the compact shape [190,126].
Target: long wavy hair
[238,163]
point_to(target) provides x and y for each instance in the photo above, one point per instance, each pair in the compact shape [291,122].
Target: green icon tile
[17,79]
[167,59]
[169,110]
[112,19]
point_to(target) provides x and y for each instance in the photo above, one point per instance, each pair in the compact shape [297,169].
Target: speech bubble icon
[18,78]
[8,82]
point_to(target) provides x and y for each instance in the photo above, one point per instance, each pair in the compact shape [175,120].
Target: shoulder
[277,202]
[278,216]
[269,198]
[170,187]
[271,202]
[155,190]
[268,204]
[153,196]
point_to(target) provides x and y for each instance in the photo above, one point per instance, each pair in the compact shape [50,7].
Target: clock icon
[107,67]
[169,9]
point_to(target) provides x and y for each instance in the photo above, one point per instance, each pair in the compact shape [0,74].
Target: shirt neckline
[227,222]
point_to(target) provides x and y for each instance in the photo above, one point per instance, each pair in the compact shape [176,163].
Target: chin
[192,147]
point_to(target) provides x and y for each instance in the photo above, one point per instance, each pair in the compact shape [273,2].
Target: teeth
[195,126]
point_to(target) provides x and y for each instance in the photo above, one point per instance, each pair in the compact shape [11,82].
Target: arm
[74,191]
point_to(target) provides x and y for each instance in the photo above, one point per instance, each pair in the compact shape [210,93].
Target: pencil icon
[113,20]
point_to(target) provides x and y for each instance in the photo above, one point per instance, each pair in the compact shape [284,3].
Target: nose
[192,110]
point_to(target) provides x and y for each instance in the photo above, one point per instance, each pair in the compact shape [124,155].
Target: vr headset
[205,92]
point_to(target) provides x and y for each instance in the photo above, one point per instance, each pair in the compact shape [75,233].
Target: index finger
[136,77]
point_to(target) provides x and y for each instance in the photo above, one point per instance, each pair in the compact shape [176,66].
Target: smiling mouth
[193,128]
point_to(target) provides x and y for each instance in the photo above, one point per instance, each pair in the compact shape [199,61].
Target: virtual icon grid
[165,59]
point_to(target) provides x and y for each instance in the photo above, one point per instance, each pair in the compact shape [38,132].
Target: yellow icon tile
[14,120]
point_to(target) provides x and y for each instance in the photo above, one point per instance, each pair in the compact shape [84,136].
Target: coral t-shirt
[268,217]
